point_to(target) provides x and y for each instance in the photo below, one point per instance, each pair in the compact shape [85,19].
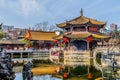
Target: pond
[43,77]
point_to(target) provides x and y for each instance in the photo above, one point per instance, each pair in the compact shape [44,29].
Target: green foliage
[79,70]
[1,34]
[116,35]
[98,59]
[65,69]
[41,61]
[26,42]
[92,69]
[95,73]
[61,59]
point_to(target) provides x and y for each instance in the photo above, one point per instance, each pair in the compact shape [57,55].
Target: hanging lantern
[61,68]
[55,72]
[106,40]
[62,42]
[89,39]
[89,76]
[55,41]
[65,75]
[65,40]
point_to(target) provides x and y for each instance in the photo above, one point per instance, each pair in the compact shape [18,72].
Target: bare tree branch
[44,26]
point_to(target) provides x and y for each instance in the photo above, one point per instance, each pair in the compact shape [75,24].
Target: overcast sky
[26,13]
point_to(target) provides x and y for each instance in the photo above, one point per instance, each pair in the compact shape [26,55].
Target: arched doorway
[80,44]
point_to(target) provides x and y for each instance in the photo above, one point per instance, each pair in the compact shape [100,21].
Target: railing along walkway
[103,50]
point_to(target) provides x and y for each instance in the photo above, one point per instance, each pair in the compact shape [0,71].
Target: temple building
[42,39]
[11,44]
[79,37]
[83,32]
[83,35]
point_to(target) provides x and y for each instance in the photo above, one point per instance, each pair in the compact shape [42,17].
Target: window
[81,28]
[67,29]
[93,29]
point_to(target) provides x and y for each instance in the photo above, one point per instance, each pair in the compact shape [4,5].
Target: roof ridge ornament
[81,12]
[67,22]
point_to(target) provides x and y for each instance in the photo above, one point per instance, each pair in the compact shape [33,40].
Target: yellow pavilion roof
[82,35]
[100,36]
[77,35]
[41,35]
[81,20]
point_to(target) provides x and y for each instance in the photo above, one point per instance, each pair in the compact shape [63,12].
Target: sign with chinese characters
[93,29]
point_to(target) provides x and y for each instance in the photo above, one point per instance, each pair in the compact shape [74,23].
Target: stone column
[88,70]
[88,45]
[12,55]
[86,28]
[21,55]
[28,55]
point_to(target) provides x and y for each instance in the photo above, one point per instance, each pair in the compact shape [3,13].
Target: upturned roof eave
[86,20]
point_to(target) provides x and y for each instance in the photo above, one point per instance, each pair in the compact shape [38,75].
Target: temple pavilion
[84,33]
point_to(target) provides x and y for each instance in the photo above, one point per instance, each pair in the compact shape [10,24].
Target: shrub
[48,61]
[79,70]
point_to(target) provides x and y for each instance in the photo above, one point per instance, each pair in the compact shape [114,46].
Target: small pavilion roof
[42,35]
[10,42]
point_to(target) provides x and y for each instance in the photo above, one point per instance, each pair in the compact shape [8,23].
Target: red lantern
[61,68]
[65,75]
[107,40]
[89,39]
[55,72]
[55,41]
[89,76]
[65,40]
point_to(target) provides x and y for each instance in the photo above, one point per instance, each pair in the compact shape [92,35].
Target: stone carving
[6,66]
[27,73]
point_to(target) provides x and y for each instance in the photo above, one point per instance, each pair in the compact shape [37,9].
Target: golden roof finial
[81,12]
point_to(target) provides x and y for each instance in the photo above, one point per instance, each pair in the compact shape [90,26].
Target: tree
[44,26]
[26,42]
[1,25]
[1,34]
[116,35]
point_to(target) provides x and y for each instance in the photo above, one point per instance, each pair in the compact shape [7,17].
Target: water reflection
[44,77]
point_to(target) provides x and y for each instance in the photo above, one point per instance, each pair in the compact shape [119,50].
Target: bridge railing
[23,51]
